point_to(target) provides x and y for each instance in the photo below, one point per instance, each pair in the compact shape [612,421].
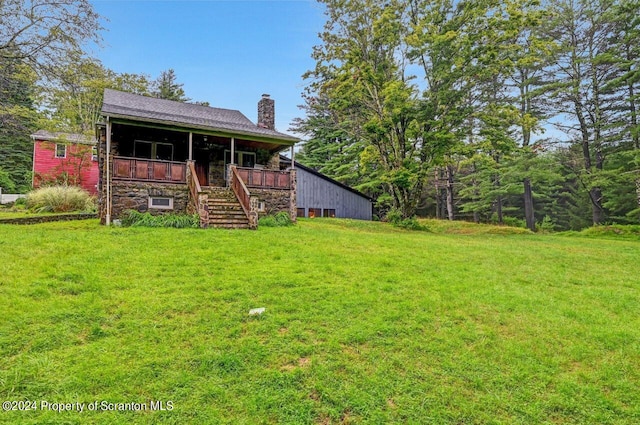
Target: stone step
[231,226]
[224,204]
[218,207]
[223,201]
[216,216]
[223,222]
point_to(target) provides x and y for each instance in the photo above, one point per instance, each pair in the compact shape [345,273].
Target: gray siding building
[321,196]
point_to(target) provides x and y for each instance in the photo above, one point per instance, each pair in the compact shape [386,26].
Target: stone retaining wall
[47,218]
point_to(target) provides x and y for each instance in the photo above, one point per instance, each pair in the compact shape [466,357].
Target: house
[161,156]
[65,158]
[318,195]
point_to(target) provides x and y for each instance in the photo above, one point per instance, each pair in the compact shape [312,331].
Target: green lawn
[364,323]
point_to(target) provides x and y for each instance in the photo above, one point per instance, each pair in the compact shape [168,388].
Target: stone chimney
[267,112]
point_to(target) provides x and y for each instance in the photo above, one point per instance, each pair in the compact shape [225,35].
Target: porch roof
[135,107]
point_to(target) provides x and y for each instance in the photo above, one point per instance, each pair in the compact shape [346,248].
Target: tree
[582,70]
[167,87]
[40,33]
[360,80]
[74,99]
[17,121]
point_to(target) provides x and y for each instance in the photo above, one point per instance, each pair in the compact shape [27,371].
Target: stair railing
[243,195]
[197,198]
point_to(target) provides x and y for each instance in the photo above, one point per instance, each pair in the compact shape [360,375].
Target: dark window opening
[315,212]
[300,212]
[331,213]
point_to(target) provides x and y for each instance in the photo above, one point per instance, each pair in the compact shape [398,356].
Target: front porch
[159,171]
[228,182]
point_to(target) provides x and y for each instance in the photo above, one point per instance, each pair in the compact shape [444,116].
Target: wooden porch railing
[267,179]
[242,193]
[197,198]
[125,168]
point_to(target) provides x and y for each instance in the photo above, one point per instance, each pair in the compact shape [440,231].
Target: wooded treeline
[49,81]
[510,111]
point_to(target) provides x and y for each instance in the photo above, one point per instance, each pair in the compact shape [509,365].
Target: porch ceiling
[250,140]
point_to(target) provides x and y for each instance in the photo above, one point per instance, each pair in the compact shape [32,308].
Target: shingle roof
[133,106]
[58,136]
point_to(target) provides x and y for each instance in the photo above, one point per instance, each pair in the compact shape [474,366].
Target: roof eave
[48,138]
[212,131]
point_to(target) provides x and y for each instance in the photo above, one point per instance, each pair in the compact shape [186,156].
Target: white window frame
[160,207]
[55,152]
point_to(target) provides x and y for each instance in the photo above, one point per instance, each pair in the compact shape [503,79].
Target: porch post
[232,160]
[293,157]
[190,146]
[108,167]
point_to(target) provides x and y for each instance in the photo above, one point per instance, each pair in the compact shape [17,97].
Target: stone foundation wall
[274,200]
[277,200]
[135,196]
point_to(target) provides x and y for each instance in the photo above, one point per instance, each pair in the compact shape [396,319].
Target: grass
[364,323]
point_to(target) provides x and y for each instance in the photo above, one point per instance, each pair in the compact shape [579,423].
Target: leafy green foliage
[134,218]
[280,219]
[59,199]
[395,218]
[18,118]
[74,102]
[7,185]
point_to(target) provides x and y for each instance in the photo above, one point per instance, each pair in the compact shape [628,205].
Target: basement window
[160,203]
[315,212]
[61,150]
[329,213]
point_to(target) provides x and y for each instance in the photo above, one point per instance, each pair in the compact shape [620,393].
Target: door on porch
[201,158]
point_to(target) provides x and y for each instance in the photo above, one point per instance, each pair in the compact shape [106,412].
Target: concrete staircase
[224,209]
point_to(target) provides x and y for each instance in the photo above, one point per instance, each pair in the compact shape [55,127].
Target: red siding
[77,164]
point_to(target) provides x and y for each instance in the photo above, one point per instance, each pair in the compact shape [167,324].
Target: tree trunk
[437,179]
[528,206]
[596,199]
[450,192]
[498,203]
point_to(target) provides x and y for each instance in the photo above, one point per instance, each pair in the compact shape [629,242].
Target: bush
[59,199]
[137,219]
[546,225]
[395,218]
[281,219]
[508,221]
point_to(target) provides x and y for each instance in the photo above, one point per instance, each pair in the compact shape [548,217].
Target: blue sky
[225,52]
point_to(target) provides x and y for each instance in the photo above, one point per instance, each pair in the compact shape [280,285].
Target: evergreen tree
[17,121]
[167,87]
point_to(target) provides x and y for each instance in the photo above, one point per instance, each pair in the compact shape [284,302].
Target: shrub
[508,221]
[281,219]
[394,217]
[546,225]
[134,218]
[59,199]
